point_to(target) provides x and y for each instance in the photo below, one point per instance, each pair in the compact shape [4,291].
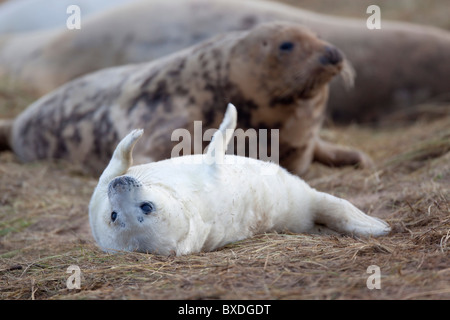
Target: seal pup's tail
[221,138]
[5,134]
[341,216]
[121,159]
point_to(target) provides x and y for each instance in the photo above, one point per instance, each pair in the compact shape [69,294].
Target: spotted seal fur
[277,73]
[405,62]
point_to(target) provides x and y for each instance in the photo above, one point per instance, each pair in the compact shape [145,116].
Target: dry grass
[44,229]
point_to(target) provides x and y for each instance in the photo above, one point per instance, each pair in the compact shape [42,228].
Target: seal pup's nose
[332,56]
[123,183]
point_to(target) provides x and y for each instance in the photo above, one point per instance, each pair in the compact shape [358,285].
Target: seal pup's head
[129,213]
[148,208]
[287,61]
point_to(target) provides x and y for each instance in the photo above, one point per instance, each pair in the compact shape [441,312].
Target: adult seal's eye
[147,207]
[113,216]
[286,46]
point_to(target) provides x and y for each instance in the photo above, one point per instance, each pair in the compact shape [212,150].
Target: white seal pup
[202,202]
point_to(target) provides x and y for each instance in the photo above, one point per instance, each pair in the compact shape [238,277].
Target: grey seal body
[278,74]
[406,63]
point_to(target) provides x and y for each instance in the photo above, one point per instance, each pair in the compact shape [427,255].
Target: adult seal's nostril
[331,56]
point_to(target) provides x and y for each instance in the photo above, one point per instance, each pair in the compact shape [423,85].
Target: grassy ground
[44,229]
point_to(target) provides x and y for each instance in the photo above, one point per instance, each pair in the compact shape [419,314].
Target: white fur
[201,205]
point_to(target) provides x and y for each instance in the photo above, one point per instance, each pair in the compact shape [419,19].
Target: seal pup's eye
[113,216]
[147,207]
[286,46]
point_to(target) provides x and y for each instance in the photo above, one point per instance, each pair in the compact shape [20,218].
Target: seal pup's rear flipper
[221,138]
[121,159]
[342,216]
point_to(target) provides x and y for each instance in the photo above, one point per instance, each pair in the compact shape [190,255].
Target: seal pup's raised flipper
[219,142]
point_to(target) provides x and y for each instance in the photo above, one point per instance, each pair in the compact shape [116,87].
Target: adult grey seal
[277,73]
[397,66]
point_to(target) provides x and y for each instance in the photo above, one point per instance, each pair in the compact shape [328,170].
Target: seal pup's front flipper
[122,158]
[221,138]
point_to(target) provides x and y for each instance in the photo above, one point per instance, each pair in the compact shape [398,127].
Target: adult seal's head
[279,75]
[280,63]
